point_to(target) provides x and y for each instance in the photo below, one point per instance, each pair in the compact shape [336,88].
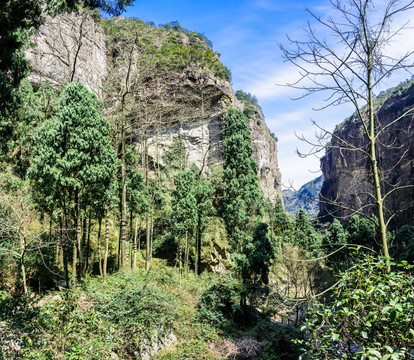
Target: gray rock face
[265,154]
[69,48]
[347,173]
[72,48]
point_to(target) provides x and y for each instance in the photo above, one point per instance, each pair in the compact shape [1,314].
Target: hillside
[177,89]
[302,199]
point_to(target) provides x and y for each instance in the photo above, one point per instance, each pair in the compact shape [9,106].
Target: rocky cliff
[347,172]
[69,48]
[169,83]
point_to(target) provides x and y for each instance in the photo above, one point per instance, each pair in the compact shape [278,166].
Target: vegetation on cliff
[116,245]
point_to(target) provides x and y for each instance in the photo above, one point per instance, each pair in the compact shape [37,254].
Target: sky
[247,34]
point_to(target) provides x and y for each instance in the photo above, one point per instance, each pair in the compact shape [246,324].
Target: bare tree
[351,66]
[20,233]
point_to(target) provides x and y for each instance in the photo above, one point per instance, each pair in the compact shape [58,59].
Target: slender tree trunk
[83,245]
[123,196]
[180,260]
[23,270]
[152,234]
[22,266]
[374,169]
[131,237]
[79,235]
[199,233]
[148,227]
[74,256]
[88,241]
[134,261]
[105,261]
[99,246]
[65,247]
[186,249]
[148,244]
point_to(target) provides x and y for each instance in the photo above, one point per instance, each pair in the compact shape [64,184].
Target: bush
[217,305]
[282,342]
[370,315]
[144,314]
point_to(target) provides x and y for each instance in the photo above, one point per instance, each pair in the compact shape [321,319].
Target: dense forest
[140,218]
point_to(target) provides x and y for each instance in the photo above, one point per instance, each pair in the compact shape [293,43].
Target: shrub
[370,315]
[144,314]
[217,305]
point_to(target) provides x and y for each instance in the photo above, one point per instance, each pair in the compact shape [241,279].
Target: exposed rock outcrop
[347,173]
[193,98]
[69,48]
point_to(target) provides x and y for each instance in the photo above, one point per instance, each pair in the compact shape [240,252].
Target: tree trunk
[65,247]
[134,260]
[88,241]
[148,244]
[198,232]
[374,169]
[74,256]
[105,261]
[186,249]
[99,246]
[123,196]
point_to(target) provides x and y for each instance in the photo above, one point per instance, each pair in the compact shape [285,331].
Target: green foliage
[369,317]
[73,158]
[136,196]
[251,104]
[335,238]
[18,18]
[111,7]
[184,210]
[217,305]
[144,314]
[175,54]
[175,158]
[240,186]
[282,342]
[192,35]
[259,255]
[251,249]
[404,243]
[305,235]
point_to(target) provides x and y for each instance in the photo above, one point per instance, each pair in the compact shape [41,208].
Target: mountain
[302,199]
[347,172]
[175,89]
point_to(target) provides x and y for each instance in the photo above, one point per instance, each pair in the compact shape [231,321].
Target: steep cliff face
[347,173]
[175,87]
[69,48]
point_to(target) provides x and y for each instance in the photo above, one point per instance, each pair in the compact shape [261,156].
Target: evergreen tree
[240,187]
[73,159]
[335,238]
[305,234]
[241,196]
[184,209]
[203,192]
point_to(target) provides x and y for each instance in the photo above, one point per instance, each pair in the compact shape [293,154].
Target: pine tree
[305,234]
[73,161]
[241,197]
[184,210]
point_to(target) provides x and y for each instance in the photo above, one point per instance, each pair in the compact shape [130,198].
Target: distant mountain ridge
[302,199]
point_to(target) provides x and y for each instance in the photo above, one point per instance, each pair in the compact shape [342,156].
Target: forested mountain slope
[168,81]
[304,198]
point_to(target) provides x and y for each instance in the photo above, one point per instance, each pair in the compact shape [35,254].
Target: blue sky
[247,34]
